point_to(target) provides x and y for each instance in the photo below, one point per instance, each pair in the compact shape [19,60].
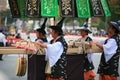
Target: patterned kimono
[34,63]
[110,61]
[58,68]
[88,64]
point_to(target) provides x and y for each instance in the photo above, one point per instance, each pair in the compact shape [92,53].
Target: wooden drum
[21,65]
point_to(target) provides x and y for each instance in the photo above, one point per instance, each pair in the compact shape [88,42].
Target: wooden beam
[13,50]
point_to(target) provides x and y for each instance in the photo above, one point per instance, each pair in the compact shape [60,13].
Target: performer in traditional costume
[41,33]
[108,67]
[35,61]
[56,53]
[88,63]
[2,40]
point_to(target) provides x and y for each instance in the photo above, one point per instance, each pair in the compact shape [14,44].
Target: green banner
[105,8]
[49,8]
[21,6]
[83,8]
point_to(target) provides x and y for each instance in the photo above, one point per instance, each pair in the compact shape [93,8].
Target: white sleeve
[53,52]
[110,49]
[102,41]
[4,40]
[89,56]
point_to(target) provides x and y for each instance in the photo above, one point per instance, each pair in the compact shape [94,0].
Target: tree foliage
[115,10]
[7,14]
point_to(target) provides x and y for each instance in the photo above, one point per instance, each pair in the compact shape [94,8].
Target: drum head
[21,65]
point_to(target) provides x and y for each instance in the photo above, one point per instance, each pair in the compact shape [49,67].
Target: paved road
[7,67]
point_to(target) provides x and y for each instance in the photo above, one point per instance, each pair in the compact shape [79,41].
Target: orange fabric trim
[89,75]
[48,78]
[107,77]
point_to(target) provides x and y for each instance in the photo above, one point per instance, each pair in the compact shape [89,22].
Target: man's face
[83,33]
[111,31]
[39,35]
[53,33]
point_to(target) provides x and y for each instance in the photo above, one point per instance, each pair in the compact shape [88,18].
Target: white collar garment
[56,39]
[53,52]
[83,39]
[109,49]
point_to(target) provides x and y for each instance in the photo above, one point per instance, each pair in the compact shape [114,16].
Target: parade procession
[54,50]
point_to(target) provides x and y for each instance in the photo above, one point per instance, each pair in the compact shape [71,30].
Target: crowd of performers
[56,53]
[57,48]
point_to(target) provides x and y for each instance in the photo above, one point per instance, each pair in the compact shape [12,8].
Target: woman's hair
[116,31]
[86,32]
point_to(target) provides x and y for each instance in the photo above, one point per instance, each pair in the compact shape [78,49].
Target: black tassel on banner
[14,8]
[32,8]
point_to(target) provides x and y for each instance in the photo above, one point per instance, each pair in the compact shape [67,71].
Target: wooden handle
[52,21]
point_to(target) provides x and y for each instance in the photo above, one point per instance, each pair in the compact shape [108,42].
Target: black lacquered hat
[58,27]
[116,25]
[85,27]
[42,29]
